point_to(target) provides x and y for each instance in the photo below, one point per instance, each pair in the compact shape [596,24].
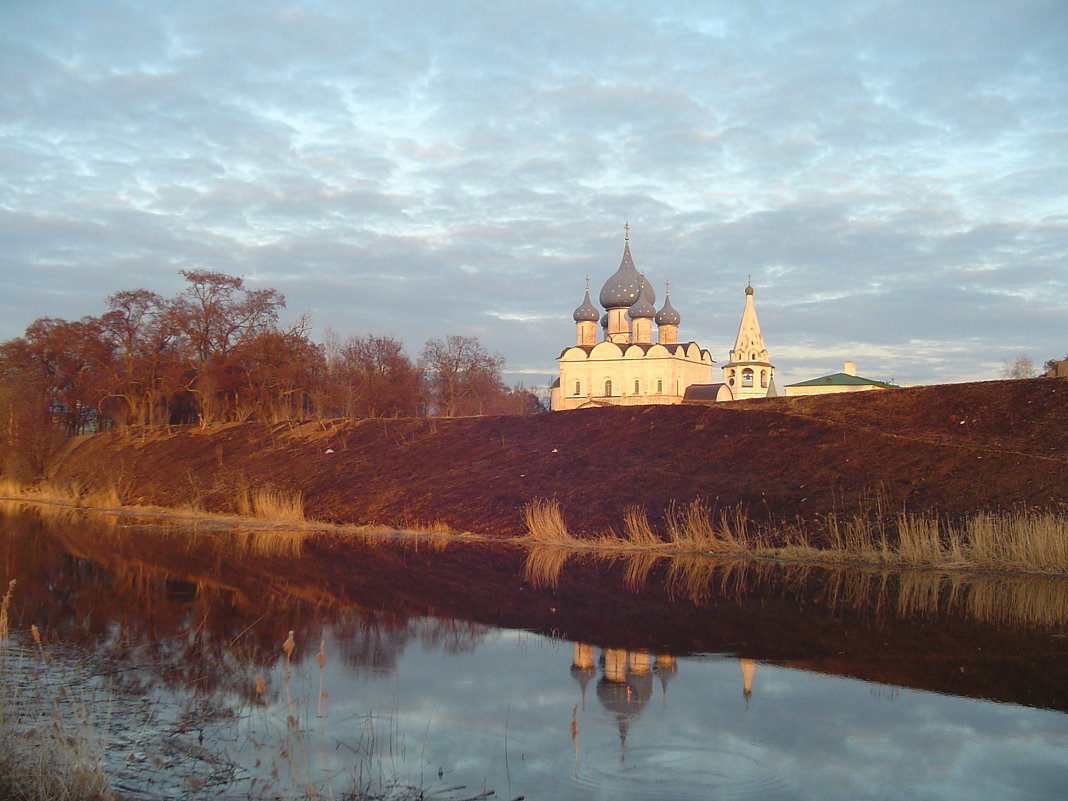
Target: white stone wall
[661,376]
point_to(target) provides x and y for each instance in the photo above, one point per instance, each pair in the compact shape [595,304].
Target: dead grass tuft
[49,747]
[545,523]
[278,505]
[4,604]
[9,488]
[636,528]
[1031,542]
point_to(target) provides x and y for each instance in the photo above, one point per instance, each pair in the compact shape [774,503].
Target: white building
[627,368]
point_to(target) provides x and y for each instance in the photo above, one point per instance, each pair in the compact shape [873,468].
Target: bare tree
[146,365]
[461,377]
[1018,367]
[371,376]
[216,315]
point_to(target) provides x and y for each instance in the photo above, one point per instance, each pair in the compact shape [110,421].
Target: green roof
[842,380]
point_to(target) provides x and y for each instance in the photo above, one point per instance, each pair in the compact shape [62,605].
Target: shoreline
[606,545]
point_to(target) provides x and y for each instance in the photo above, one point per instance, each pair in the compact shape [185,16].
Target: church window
[608,388]
[636,386]
[764,378]
[747,378]
[578,387]
[659,386]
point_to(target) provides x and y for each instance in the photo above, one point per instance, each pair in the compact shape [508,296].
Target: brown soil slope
[950,449]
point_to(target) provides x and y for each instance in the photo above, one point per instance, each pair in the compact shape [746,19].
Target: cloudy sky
[893,175]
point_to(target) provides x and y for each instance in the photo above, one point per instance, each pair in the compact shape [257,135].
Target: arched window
[636,392]
[764,378]
[747,377]
[659,386]
[608,387]
[578,387]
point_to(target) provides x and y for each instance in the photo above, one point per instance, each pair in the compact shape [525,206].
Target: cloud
[887,173]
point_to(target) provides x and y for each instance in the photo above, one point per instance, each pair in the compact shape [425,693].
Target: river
[463,669]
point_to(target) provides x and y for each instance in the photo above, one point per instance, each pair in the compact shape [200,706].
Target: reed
[637,530]
[1024,541]
[50,747]
[4,605]
[57,492]
[278,505]
[545,523]
[919,540]
[9,488]
[107,497]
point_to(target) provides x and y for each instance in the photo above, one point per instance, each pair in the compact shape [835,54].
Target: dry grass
[55,492]
[108,497]
[272,504]
[49,748]
[435,529]
[636,528]
[4,605]
[545,523]
[1030,542]
[11,489]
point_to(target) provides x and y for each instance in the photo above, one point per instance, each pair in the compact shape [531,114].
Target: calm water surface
[540,675]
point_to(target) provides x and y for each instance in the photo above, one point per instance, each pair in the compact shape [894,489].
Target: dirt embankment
[951,449]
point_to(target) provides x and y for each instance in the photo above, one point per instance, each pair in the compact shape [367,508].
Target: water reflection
[987,598]
[601,677]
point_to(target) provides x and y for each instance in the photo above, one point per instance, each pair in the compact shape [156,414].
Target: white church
[626,367]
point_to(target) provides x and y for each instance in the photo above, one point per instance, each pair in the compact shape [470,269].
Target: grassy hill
[951,450]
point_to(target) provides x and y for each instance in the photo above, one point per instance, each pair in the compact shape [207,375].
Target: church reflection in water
[628,680]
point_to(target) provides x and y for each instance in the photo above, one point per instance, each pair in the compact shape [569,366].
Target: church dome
[643,306]
[623,287]
[587,312]
[749,289]
[668,315]
[604,320]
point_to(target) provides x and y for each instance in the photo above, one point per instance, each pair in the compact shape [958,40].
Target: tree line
[218,353]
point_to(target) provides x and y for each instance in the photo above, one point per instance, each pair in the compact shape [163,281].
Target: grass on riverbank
[1025,541]
[64,739]
[49,749]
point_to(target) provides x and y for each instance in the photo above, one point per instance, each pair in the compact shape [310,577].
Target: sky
[892,176]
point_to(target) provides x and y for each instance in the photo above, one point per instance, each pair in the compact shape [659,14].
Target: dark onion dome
[668,315]
[643,306]
[647,290]
[604,320]
[587,312]
[622,288]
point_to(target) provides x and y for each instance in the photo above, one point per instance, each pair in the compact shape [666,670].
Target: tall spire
[749,344]
[748,373]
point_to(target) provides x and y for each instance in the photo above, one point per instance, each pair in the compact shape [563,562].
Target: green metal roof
[842,380]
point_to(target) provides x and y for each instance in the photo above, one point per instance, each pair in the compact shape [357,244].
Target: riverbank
[947,451]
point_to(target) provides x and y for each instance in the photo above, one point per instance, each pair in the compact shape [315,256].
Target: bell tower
[748,373]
